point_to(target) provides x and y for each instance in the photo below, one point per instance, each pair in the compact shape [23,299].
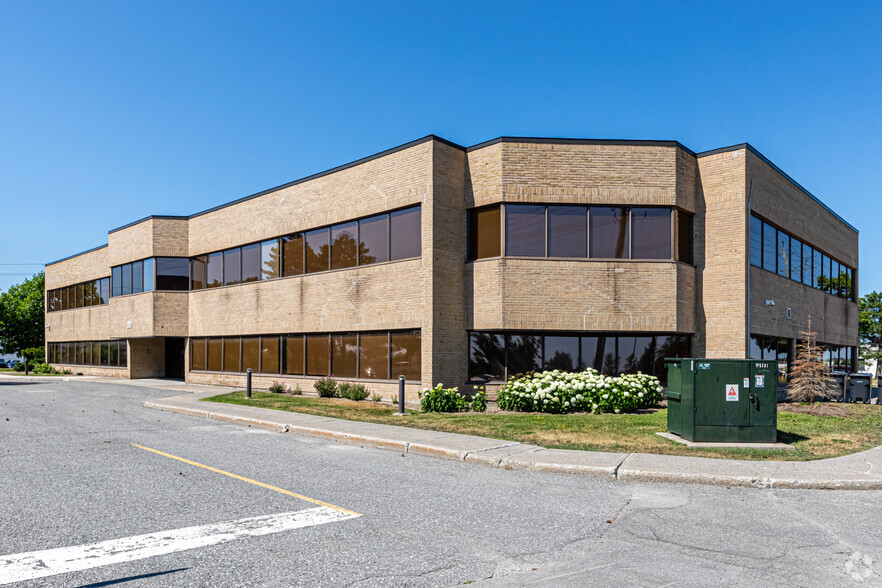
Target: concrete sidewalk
[860,471]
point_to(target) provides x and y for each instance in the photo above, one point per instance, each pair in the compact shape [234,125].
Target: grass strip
[815,437]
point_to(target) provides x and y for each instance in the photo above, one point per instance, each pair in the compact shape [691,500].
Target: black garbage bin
[839,378]
[858,388]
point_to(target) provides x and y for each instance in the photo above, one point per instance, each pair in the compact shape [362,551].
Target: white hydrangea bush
[589,391]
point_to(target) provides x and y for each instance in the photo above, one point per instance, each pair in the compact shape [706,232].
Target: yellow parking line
[250,481]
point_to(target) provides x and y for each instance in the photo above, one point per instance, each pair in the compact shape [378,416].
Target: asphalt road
[70,476]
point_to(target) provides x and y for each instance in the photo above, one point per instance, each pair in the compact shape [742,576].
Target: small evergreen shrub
[278,388]
[344,389]
[326,387]
[376,397]
[440,399]
[358,392]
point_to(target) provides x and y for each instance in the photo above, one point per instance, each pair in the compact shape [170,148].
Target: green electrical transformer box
[723,400]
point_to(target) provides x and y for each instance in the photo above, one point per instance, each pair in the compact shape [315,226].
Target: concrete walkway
[860,471]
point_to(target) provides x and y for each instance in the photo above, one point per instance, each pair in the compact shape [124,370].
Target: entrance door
[174,357]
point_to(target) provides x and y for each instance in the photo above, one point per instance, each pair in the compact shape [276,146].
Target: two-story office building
[444,264]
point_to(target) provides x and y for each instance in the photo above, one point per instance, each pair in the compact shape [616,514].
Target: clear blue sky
[112,111]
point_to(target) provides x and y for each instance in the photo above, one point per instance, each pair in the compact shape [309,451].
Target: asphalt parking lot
[89,473]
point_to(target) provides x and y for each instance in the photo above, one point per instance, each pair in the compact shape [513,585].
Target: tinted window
[406,357]
[214,270]
[137,277]
[344,356]
[826,274]
[817,269]
[756,242]
[65,299]
[374,356]
[317,355]
[783,254]
[123,353]
[561,353]
[606,350]
[87,353]
[251,354]
[651,233]
[198,272]
[567,231]
[684,237]
[251,263]
[79,353]
[344,246]
[105,353]
[270,259]
[269,355]
[609,233]
[293,354]
[806,264]
[796,260]
[113,346]
[232,266]
[96,353]
[523,353]
[127,279]
[148,274]
[317,251]
[524,231]
[485,233]
[770,252]
[588,353]
[405,231]
[669,346]
[197,354]
[373,237]
[293,254]
[231,354]
[216,354]
[636,354]
[172,273]
[87,294]
[487,356]
[116,275]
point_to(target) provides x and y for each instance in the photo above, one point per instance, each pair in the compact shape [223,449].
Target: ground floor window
[89,353]
[382,355]
[783,351]
[501,355]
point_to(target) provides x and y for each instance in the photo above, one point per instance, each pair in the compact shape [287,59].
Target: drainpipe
[747,336]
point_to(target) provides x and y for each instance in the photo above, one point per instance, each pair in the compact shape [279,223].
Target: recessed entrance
[174,357]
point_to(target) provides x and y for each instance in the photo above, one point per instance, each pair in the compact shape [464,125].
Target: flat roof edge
[147,218]
[769,162]
[75,255]
[339,168]
[571,141]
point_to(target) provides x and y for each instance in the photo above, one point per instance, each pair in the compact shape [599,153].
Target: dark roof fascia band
[756,152]
[565,141]
[76,254]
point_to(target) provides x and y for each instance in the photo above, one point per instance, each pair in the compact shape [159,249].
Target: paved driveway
[95,492]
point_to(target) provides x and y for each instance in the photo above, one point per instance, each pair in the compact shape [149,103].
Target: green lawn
[814,437]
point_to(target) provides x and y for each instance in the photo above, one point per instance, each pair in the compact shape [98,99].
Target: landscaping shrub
[326,387]
[440,399]
[479,399]
[343,389]
[278,387]
[296,390]
[376,397]
[358,392]
[590,391]
[39,367]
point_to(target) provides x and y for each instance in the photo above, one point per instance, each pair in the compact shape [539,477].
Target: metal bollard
[248,383]
[401,395]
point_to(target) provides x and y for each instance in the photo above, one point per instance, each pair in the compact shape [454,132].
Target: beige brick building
[452,264]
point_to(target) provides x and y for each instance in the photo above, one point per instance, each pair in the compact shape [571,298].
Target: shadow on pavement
[130,578]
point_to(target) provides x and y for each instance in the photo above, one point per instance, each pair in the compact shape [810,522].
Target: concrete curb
[860,471]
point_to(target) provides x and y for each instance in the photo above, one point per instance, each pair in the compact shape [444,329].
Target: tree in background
[870,326]
[809,376]
[22,317]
